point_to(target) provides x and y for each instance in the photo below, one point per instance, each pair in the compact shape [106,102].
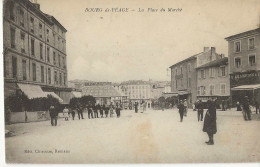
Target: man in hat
[53,115]
[200,110]
[246,109]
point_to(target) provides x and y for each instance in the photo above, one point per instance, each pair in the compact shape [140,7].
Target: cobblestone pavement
[152,137]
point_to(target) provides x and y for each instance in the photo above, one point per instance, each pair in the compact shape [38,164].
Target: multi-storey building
[184,75]
[244,64]
[34,50]
[213,80]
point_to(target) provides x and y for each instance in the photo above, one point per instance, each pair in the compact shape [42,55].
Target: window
[176,84]
[223,71]
[12,38]
[64,78]
[32,47]
[251,60]
[59,60]
[32,25]
[34,71]
[198,91]
[21,18]
[42,74]
[40,30]
[237,46]
[202,90]
[181,69]
[63,61]
[48,54]
[202,74]
[176,71]
[47,31]
[237,62]
[212,72]
[55,77]
[60,79]
[211,89]
[24,69]
[41,55]
[53,38]
[223,88]
[22,42]
[189,67]
[49,75]
[189,82]
[14,66]
[11,11]
[54,58]
[251,43]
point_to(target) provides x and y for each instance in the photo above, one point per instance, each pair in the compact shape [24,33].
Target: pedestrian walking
[246,109]
[73,114]
[185,107]
[106,110]
[80,112]
[66,113]
[200,111]
[96,108]
[181,110]
[136,107]
[210,123]
[53,115]
[223,105]
[111,110]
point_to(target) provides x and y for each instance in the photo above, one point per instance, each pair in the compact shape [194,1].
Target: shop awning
[76,94]
[183,93]
[54,95]
[32,91]
[247,87]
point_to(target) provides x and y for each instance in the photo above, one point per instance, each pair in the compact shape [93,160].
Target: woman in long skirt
[210,123]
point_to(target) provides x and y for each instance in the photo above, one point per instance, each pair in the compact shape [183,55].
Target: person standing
[80,112]
[118,108]
[185,107]
[238,106]
[90,112]
[136,107]
[106,110]
[256,107]
[223,105]
[53,115]
[200,110]
[66,113]
[96,111]
[111,109]
[181,110]
[210,123]
[246,109]
[73,114]
[102,108]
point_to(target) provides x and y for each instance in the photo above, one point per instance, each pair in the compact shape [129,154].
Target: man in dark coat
[181,108]
[53,115]
[73,113]
[256,107]
[106,110]
[118,109]
[200,110]
[223,105]
[90,112]
[210,123]
[96,111]
[246,109]
[136,107]
[80,112]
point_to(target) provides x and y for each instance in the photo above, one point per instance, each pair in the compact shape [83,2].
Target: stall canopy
[54,95]
[246,87]
[32,91]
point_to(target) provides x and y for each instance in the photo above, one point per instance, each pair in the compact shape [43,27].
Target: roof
[31,91]
[188,59]
[136,82]
[101,91]
[243,34]
[53,19]
[247,87]
[214,63]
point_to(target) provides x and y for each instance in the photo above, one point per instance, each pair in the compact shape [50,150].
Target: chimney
[213,50]
[206,49]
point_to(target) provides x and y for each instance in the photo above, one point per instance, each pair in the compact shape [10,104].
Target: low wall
[20,117]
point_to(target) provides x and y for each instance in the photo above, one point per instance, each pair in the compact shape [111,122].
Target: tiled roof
[187,59]
[214,63]
[243,34]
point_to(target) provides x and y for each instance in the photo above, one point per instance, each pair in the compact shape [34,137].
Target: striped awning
[54,95]
[32,91]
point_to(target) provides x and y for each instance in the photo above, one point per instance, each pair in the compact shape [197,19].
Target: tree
[87,101]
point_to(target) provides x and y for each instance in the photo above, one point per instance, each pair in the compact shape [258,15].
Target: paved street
[150,137]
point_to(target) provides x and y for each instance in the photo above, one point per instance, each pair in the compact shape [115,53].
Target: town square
[134,82]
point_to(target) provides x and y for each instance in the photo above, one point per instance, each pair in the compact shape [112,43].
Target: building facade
[244,64]
[34,49]
[213,80]
[184,75]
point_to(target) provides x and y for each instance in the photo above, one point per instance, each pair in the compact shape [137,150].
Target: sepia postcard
[131,81]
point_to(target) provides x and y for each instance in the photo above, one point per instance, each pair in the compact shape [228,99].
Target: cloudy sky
[109,46]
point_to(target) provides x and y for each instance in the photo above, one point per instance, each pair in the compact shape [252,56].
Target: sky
[113,46]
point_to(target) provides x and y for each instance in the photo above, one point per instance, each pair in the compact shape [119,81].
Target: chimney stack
[213,50]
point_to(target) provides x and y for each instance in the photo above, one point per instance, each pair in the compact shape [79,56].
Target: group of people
[93,112]
[142,106]
[245,107]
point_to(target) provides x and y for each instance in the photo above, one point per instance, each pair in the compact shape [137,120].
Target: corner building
[34,50]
